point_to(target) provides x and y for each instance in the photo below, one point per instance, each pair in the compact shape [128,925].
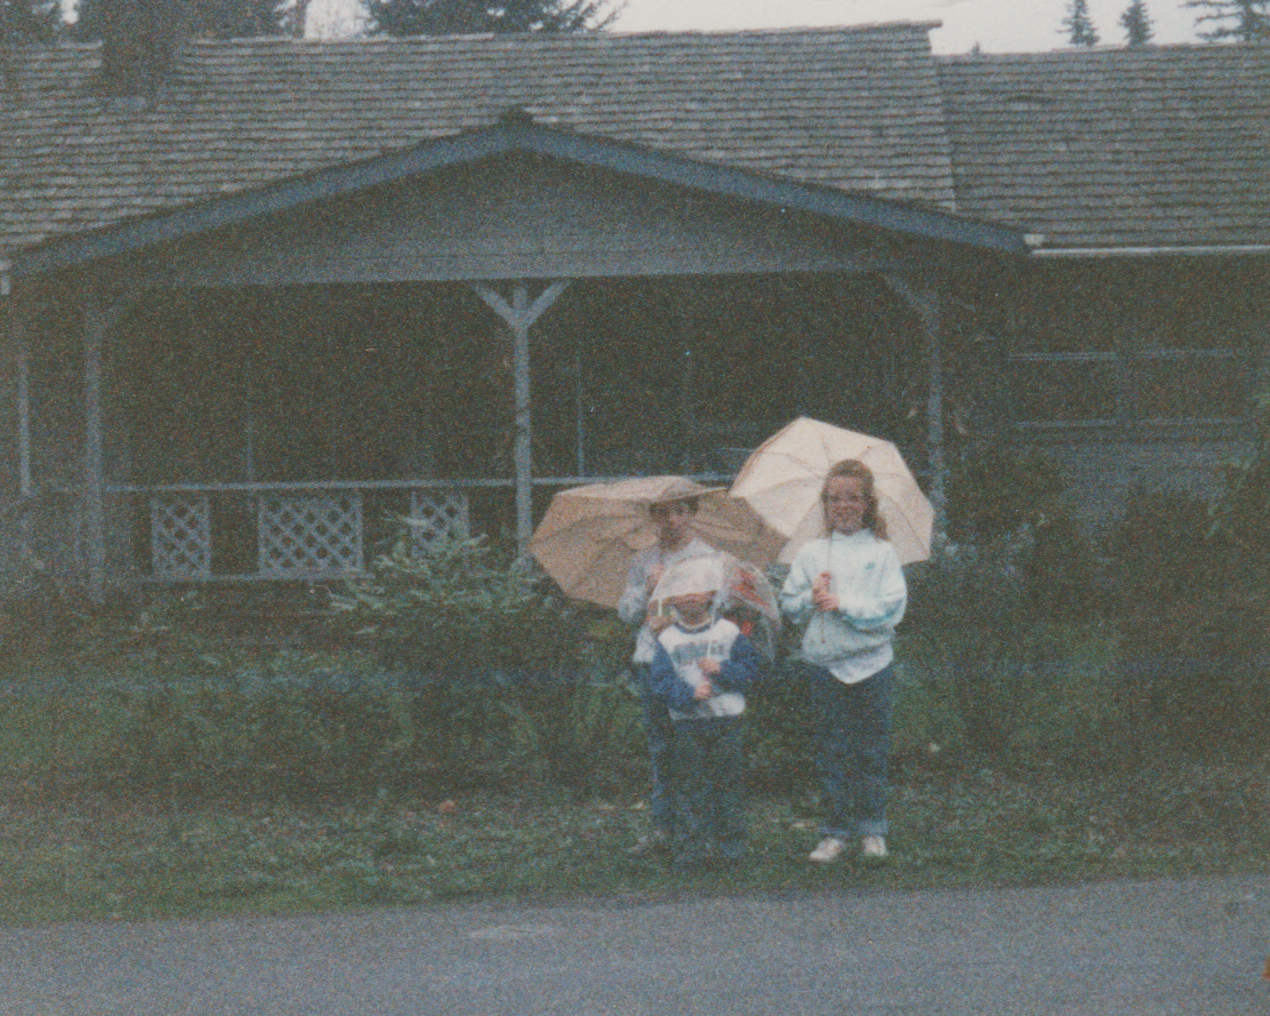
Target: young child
[700,672]
[849,588]
[676,542]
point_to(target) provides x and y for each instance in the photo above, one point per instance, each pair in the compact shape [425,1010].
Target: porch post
[97,320]
[579,403]
[686,313]
[523,435]
[519,315]
[23,354]
[94,325]
[20,348]
[925,296]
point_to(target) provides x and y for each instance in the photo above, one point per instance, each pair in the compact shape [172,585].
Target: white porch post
[24,415]
[925,296]
[94,325]
[97,321]
[519,315]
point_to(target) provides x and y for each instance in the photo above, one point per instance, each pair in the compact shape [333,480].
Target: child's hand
[709,667]
[658,623]
[824,600]
[822,583]
[704,690]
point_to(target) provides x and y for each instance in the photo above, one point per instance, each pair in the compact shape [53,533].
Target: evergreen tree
[1136,24]
[1241,20]
[1077,24]
[216,19]
[29,21]
[463,17]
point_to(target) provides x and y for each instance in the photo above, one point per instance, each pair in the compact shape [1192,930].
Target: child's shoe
[873,848]
[656,842]
[827,850]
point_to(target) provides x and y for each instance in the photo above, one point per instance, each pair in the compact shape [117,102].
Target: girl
[849,589]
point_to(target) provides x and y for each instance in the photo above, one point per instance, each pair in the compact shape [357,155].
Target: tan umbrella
[589,534]
[782,478]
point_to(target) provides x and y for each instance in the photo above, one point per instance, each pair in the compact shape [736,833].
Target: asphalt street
[1157,948]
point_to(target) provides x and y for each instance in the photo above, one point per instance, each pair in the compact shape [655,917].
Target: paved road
[1156,948]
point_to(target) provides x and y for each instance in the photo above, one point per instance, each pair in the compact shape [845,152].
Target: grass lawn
[77,853]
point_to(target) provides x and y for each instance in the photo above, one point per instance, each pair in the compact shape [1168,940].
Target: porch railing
[302,531]
[206,532]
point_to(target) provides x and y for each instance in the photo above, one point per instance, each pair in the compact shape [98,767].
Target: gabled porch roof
[517,133]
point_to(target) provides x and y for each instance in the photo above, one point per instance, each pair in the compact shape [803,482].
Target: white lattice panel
[438,515]
[181,536]
[312,533]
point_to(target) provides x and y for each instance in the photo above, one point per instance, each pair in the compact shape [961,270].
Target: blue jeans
[659,731]
[707,820]
[853,737]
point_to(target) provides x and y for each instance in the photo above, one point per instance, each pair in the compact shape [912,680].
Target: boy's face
[693,608]
[674,520]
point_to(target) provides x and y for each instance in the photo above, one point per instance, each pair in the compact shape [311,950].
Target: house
[290,289]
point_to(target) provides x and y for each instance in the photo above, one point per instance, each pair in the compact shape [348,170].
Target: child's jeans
[658,729]
[706,816]
[853,737]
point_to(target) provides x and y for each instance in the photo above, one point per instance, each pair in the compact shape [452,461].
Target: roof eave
[512,135]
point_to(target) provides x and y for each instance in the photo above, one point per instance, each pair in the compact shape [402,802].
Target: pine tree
[463,17]
[217,19]
[27,21]
[1079,28]
[1136,24]
[1241,20]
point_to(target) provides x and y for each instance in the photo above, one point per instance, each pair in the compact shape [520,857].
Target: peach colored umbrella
[782,478]
[589,534]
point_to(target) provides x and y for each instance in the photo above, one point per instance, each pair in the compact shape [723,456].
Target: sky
[998,26]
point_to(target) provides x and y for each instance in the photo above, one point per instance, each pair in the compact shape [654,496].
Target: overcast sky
[999,26]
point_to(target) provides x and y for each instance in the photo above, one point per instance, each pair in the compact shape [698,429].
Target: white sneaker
[656,842]
[873,846]
[827,850]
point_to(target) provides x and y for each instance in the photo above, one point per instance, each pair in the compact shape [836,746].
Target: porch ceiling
[516,134]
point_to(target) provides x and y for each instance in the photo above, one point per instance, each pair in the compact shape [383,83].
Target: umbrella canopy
[589,534]
[782,479]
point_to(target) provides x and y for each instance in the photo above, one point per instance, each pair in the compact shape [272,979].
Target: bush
[1197,669]
[986,650]
[995,491]
[1242,519]
[1160,550]
[479,637]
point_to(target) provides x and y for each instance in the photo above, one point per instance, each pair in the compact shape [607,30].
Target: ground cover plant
[98,855]
[460,729]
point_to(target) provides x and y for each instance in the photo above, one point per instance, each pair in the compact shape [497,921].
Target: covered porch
[254,390]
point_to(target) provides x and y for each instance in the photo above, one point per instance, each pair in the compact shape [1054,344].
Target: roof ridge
[889,27]
[1105,51]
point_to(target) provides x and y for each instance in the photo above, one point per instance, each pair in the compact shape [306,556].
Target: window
[1113,342]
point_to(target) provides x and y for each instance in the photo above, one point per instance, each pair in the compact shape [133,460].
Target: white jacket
[867,578]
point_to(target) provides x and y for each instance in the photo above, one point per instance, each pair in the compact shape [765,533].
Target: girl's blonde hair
[855,469]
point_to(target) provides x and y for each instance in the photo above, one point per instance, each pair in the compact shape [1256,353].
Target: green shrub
[484,638]
[985,649]
[1160,550]
[1242,519]
[994,491]
[1197,669]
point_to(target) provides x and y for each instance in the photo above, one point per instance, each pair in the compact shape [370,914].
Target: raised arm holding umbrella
[853,513]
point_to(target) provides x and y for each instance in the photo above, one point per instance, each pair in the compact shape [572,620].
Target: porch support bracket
[519,315]
[100,314]
[924,292]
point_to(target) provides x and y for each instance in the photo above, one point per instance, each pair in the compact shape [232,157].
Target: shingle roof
[1155,146]
[856,109]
